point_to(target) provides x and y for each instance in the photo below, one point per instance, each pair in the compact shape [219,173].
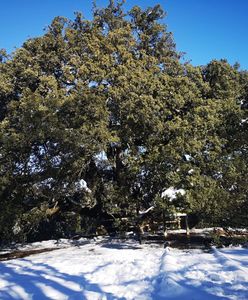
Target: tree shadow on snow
[120,246]
[36,279]
[179,285]
[239,256]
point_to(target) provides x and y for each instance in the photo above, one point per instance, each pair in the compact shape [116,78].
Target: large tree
[103,114]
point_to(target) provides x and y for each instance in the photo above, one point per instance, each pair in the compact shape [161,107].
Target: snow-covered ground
[102,269]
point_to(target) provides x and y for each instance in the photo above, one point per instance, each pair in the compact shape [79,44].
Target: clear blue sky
[204,29]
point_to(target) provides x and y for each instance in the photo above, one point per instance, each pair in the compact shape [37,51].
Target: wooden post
[187,225]
[164,226]
[179,222]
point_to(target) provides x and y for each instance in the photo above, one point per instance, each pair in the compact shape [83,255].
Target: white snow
[103,269]
[143,212]
[191,171]
[187,157]
[82,185]
[172,193]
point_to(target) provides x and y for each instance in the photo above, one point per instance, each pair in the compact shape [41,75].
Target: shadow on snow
[32,277]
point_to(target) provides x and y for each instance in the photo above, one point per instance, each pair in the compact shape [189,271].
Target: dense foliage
[98,118]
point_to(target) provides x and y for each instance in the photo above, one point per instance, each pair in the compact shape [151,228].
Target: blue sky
[204,29]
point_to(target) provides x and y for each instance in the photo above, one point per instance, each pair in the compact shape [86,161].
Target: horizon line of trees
[102,116]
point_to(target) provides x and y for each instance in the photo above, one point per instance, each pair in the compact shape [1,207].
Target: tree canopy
[103,113]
